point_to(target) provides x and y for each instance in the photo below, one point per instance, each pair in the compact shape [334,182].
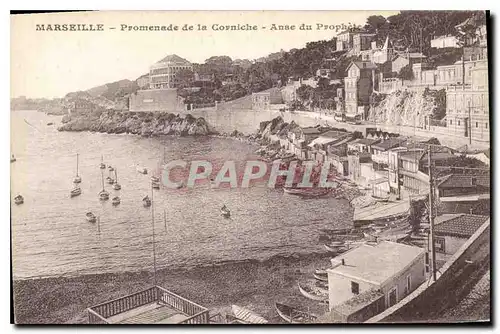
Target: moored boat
[75,191]
[12,159]
[225,212]
[102,165]
[111,169]
[142,170]
[77,178]
[146,202]
[19,199]
[247,315]
[116,185]
[116,200]
[91,218]
[155,178]
[293,315]
[155,185]
[103,195]
[313,289]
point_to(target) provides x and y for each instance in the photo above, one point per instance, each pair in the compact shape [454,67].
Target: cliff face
[140,123]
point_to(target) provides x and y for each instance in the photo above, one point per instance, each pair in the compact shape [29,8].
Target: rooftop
[365,141]
[376,263]
[311,131]
[174,59]
[388,144]
[464,181]
[364,65]
[463,226]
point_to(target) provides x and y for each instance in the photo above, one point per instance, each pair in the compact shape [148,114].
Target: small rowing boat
[315,290]
[115,201]
[111,169]
[19,199]
[102,165]
[141,170]
[225,212]
[335,246]
[91,218]
[116,185]
[75,192]
[12,159]
[321,275]
[247,316]
[293,315]
[146,202]
[155,178]
[77,178]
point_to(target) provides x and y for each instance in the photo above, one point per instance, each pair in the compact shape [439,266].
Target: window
[408,284]
[427,262]
[458,122]
[473,181]
[451,122]
[439,244]
[392,298]
[486,125]
[355,288]
[477,125]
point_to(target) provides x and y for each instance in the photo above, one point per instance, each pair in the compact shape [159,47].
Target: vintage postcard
[250,167]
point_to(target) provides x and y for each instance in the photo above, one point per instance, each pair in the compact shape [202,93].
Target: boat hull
[323,296]
[247,315]
[292,315]
[308,192]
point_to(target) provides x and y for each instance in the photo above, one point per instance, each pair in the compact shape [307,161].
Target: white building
[392,268]
[163,73]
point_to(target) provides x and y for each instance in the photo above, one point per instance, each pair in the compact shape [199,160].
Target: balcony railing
[99,314]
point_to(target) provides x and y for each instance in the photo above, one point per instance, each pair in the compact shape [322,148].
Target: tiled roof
[175,59]
[335,134]
[362,65]
[365,141]
[310,131]
[388,143]
[464,181]
[463,226]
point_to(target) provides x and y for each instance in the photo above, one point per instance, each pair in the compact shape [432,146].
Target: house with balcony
[392,270]
[154,305]
[380,151]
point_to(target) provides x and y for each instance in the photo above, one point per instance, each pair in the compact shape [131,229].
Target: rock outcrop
[140,123]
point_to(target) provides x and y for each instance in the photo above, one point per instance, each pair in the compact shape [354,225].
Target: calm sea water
[50,235]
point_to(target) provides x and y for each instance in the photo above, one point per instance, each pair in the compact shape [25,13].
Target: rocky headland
[140,123]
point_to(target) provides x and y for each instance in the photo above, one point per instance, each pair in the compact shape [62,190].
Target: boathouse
[392,269]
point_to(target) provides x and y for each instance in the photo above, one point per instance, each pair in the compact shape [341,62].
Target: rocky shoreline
[140,123]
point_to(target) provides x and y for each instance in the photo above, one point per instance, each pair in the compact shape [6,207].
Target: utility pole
[153,225]
[431,217]
[470,124]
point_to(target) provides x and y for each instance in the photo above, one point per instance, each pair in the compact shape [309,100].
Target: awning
[382,211]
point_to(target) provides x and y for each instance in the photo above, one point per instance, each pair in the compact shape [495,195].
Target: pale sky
[53,63]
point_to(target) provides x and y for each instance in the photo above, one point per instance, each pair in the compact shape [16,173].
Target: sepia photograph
[250,167]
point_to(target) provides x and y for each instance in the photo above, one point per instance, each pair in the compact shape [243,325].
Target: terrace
[154,305]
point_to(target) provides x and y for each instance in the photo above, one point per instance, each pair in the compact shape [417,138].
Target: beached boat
[335,246]
[75,192]
[146,202]
[116,185]
[308,192]
[293,315]
[116,200]
[323,278]
[314,289]
[91,218]
[231,319]
[19,199]
[142,170]
[247,315]
[12,158]
[381,199]
[50,123]
[77,178]
[102,165]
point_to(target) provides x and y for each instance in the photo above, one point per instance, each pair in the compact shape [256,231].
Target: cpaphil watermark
[193,173]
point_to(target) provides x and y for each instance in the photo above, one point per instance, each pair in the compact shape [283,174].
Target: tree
[184,78]
[406,73]
[374,23]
